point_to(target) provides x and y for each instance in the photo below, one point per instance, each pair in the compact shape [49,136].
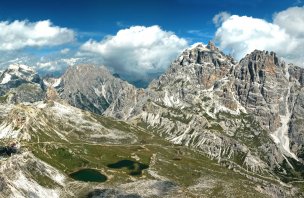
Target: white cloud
[42,65]
[138,50]
[57,64]
[20,34]
[285,35]
[71,61]
[65,51]
[292,20]
[220,18]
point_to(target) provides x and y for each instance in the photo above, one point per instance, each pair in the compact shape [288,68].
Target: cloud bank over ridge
[240,35]
[137,51]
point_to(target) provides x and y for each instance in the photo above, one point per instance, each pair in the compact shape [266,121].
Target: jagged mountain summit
[95,89]
[230,109]
[208,127]
[20,83]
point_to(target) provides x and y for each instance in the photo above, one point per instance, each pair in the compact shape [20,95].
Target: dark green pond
[135,168]
[88,175]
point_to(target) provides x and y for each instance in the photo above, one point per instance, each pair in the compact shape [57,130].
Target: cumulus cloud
[65,51]
[20,34]
[51,64]
[292,20]
[138,50]
[220,18]
[240,35]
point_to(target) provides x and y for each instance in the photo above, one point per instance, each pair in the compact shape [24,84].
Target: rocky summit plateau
[210,126]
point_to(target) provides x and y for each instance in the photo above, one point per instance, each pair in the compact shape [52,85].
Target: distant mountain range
[209,126]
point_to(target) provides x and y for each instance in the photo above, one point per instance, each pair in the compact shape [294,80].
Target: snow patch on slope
[6,79]
[17,66]
[200,45]
[57,82]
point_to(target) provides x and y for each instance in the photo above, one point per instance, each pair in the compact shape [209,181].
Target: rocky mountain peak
[212,46]
[296,73]
[259,65]
[206,54]
[200,65]
[94,88]
[264,59]
[86,73]
[21,83]
[89,68]
[18,72]
[21,68]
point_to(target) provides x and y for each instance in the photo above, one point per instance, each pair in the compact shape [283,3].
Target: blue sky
[87,30]
[97,18]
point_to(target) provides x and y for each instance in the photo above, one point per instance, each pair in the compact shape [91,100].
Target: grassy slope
[178,164]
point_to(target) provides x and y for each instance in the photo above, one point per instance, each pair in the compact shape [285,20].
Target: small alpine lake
[88,175]
[135,168]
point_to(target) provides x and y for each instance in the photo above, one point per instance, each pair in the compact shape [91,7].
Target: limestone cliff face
[272,91]
[202,102]
[261,82]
